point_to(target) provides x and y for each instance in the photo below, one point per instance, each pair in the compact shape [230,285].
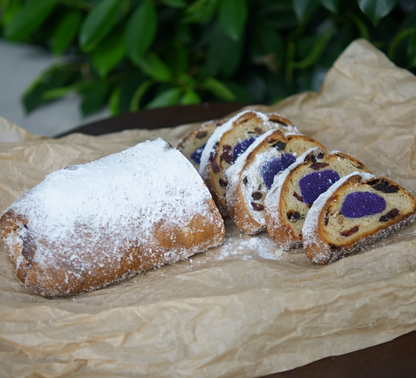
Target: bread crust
[58,253]
[317,246]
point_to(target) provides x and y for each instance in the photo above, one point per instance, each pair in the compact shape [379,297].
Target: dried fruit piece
[227,153]
[293,216]
[256,195]
[350,232]
[223,183]
[318,166]
[257,206]
[390,215]
[298,196]
[201,134]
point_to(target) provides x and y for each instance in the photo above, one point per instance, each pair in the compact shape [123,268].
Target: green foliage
[135,54]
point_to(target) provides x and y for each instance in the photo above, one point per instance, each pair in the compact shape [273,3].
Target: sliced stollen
[193,143]
[358,210]
[228,142]
[295,189]
[86,226]
[252,175]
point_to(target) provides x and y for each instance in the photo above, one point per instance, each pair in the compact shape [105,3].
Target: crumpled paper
[246,308]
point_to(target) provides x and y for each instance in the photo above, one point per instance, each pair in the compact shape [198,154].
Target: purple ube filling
[272,167]
[361,204]
[196,156]
[314,184]
[240,147]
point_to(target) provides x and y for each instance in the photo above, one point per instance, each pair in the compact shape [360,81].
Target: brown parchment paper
[244,309]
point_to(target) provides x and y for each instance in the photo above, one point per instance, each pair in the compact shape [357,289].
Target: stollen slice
[295,190]
[251,177]
[358,210]
[228,142]
[193,143]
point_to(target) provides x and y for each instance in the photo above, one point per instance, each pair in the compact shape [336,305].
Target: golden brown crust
[52,280]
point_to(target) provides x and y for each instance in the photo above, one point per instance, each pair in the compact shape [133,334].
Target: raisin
[392,189]
[318,166]
[257,206]
[256,195]
[201,134]
[213,156]
[390,215]
[298,196]
[321,155]
[227,153]
[313,157]
[279,145]
[245,180]
[372,182]
[383,186]
[326,220]
[223,183]
[293,216]
[215,166]
[333,246]
[258,130]
[350,231]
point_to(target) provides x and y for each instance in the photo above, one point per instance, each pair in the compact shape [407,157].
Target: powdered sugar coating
[101,208]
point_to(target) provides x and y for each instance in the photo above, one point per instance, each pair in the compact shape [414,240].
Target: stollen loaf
[86,226]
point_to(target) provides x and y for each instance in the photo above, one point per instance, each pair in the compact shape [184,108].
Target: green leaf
[154,67]
[190,97]
[94,97]
[396,42]
[267,46]
[53,78]
[241,94]
[233,17]
[223,54]
[98,23]
[362,28]
[174,3]
[66,32]
[304,8]
[411,49]
[109,53]
[114,101]
[28,19]
[375,10]
[9,11]
[141,30]
[218,89]
[331,5]
[167,98]
[200,11]
[137,96]
[317,49]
